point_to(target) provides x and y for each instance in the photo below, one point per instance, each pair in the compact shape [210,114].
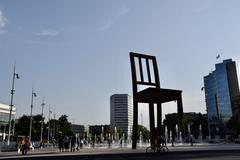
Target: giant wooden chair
[151,95]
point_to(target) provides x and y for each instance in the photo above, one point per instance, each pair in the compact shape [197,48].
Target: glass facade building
[221,86]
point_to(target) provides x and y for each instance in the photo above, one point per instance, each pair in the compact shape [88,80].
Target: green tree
[64,126]
[171,121]
[145,132]
[36,127]
[22,127]
[234,123]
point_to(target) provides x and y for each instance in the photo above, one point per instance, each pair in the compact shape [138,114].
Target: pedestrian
[78,143]
[191,140]
[172,142]
[25,144]
[60,144]
[81,143]
[73,143]
[66,143]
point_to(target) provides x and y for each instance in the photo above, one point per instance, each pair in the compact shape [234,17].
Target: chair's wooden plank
[148,71]
[140,68]
[146,83]
[155,68]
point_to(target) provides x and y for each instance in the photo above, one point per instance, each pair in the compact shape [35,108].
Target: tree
[233,124]
[192,119]
[64,126]
[171,121]
[22,127]
[145,132]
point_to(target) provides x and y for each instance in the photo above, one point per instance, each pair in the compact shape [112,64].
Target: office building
[121,112]
[77,129]
[4,118]
[221,86]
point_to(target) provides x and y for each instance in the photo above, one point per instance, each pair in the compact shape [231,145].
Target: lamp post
[54,124]
[49,112]
[15,75]
[30,128]
[43,104]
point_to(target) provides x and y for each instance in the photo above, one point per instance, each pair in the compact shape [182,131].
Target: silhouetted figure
[121,142]
[81,143]
[66,143]
[73,143]
[60,144]
[25,144]
[78,143]
[93,142]
[109,142]
[191,140]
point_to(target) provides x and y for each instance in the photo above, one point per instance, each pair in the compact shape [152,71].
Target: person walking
[73,143]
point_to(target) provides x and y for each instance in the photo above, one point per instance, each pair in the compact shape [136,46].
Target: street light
[15,75]
[49,112]
[30,128]
[43,104]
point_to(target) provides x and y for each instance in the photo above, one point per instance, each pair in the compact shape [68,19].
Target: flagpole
[43,104]
[11,105]
[49,125]
[31,118]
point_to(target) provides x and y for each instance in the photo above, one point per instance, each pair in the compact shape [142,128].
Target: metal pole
[43,104]
[49,125]
[54,124]
[30,128]
[11,105]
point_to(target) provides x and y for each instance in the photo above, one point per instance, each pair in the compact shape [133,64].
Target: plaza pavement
[179,151]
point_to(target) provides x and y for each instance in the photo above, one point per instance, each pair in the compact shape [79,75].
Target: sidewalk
[95,151]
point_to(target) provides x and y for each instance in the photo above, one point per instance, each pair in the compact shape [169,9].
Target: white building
[4,113]
[4,118]
[121,112]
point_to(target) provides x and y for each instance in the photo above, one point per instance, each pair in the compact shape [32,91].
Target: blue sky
[75,53]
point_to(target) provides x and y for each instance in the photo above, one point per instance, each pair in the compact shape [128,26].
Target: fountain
[189,132]
[140,139]
[102,135]
[200,133]
[123,139]
[115,134]
[166,133]
[171,138]
[180,137]
[177,132]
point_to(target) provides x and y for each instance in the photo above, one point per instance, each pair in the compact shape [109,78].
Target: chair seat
[156,95]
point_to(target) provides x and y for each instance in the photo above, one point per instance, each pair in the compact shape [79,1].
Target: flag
[218,56]
[17,76]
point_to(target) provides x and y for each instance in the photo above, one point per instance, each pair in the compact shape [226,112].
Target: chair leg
[180,112]
[159,119]
[152,124]
[135,124]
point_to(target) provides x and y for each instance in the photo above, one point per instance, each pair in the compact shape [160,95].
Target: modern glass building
[221,86]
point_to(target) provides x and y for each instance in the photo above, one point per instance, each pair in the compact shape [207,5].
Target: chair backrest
[140,64]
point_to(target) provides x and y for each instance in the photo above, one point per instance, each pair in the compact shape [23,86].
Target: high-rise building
[221,86]
[121,112]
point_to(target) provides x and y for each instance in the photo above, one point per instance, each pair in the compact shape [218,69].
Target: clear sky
[76,52]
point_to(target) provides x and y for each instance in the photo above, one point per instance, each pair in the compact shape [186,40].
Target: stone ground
[198,152]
